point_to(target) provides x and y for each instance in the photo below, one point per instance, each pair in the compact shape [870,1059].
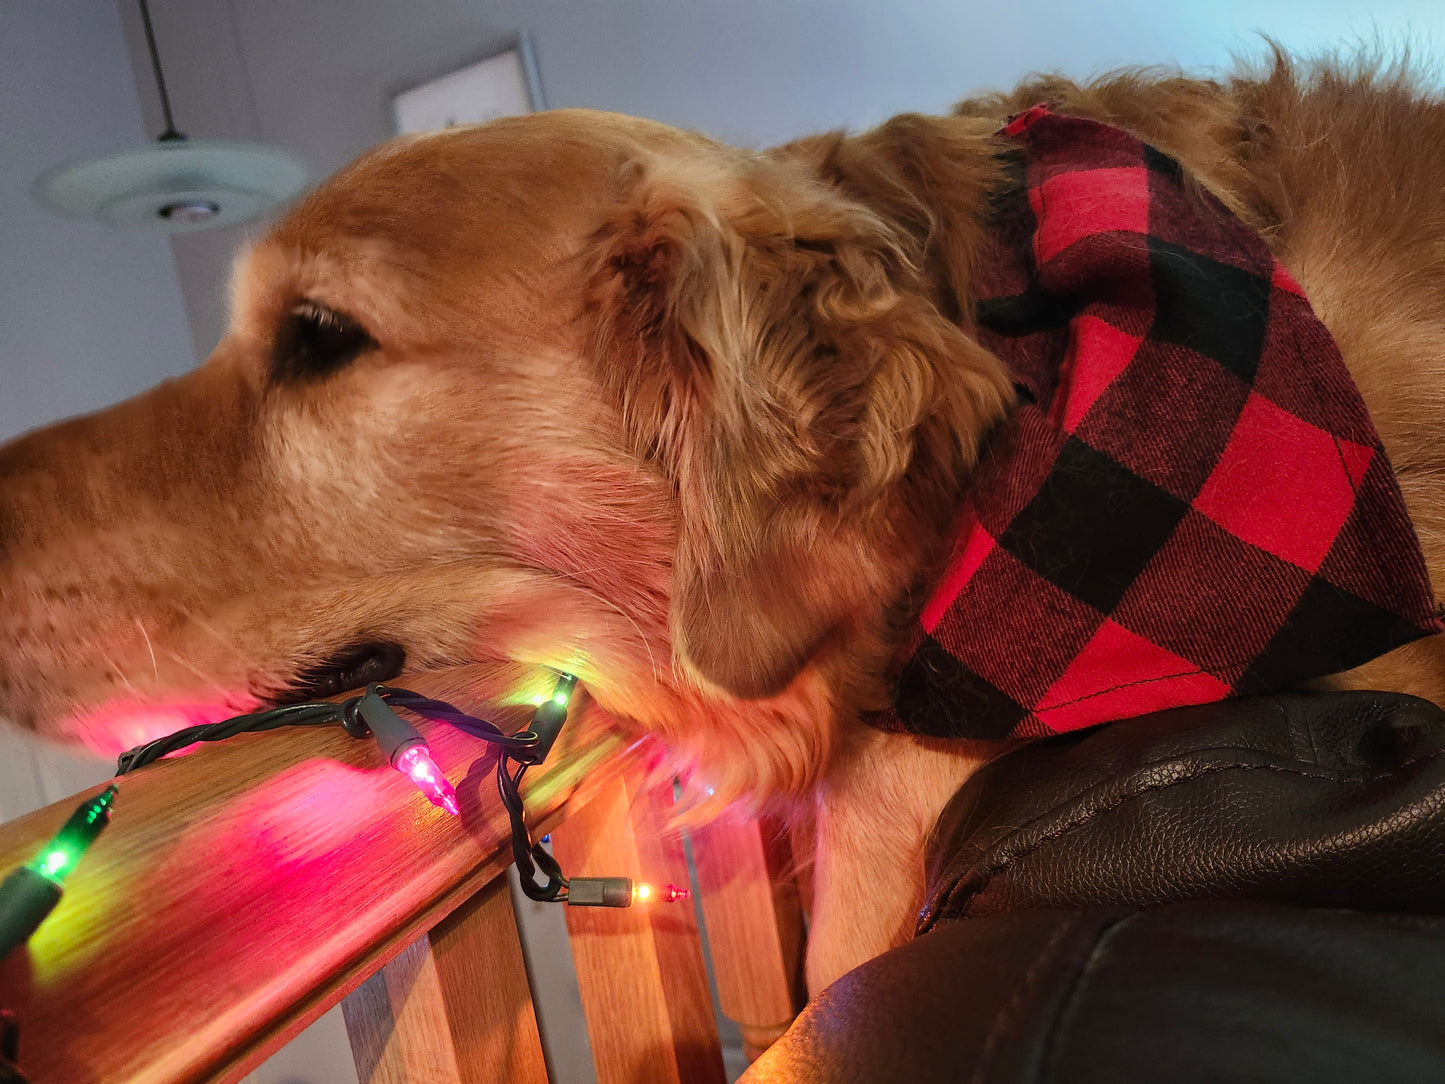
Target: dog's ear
[776,351]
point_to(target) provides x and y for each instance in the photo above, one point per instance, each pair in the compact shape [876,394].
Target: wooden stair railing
[245,888]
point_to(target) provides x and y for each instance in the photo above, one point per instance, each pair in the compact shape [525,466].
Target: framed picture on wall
[500,85]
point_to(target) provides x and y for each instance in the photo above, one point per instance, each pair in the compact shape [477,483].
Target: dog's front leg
[874,813]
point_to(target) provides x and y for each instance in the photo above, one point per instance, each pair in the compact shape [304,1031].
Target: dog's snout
[52,482]
[27,488]
[146,454]
[102,540]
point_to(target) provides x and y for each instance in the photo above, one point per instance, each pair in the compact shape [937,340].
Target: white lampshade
[174,185]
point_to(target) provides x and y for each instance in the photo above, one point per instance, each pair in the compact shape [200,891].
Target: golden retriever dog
[583,391]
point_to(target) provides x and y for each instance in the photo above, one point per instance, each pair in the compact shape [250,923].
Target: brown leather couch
[1245,891]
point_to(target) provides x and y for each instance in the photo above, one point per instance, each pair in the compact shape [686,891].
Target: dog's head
[571,390]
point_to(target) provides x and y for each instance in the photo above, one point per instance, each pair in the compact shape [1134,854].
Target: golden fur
[686,420]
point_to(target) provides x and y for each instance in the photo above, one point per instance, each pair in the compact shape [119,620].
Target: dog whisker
[155,670]
[119,673]
[193,668]
[195,619]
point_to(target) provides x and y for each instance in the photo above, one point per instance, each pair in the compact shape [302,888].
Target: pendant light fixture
[174,184]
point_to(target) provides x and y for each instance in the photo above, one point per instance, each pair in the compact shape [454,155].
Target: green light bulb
[563,693]
[62,854]
[53,862]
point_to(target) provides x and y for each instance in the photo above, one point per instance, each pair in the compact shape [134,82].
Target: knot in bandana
[1190,501]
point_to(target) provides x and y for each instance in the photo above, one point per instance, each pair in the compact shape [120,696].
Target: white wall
[87,316]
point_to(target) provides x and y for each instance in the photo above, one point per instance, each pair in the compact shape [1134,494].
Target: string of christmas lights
[31,892]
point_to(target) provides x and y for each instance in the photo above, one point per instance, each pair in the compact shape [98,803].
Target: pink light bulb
[416,763]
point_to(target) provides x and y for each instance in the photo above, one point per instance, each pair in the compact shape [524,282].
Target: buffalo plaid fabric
[1190,501]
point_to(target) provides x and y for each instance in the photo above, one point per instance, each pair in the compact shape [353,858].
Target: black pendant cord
[170,133]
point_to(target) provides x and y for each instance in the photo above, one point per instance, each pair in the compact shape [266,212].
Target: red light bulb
[646,893]
[416,763]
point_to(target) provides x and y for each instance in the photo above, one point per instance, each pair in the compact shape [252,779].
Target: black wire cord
[518,753]
[170,133]
[319,714]
[529,857]
[324,713]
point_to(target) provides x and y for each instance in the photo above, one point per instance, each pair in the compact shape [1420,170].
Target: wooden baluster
[640,969]
[453,1007]
[754,924]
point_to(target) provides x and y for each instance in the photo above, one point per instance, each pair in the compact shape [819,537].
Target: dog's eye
[315,341]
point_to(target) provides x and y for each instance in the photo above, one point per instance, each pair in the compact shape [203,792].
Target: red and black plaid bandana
[1190,501]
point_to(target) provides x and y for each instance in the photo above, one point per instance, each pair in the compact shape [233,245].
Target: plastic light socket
[407,751]
[26,897]
[547,720]
[599,892]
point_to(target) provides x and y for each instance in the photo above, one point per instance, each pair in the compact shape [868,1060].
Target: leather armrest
[1311,799]
[1191,993]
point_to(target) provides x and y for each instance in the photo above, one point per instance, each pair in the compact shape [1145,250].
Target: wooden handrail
[246,887]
